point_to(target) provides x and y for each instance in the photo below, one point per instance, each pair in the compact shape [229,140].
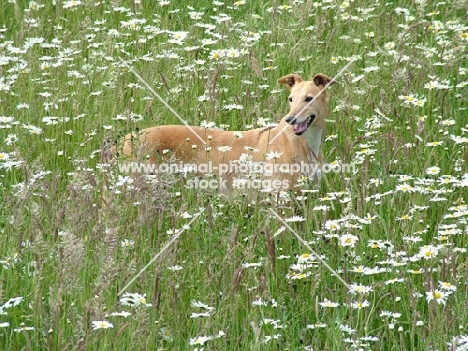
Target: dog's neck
[313,136]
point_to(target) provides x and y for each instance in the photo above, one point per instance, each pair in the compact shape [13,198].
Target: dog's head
[307,99]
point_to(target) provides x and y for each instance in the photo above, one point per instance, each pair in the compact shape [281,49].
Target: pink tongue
[300,128]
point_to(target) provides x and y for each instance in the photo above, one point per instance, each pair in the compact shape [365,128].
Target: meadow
[75,231]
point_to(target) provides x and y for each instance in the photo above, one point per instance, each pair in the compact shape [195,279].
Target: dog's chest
[314,141]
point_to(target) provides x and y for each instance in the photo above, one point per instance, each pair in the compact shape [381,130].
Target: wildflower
[416,271]
[199,304]
[216,54]
[133,24]
[295,219]
[448,122]
[394,280]
[297,276]
[345,16]
[305,257]
[279,231]
[406,188]
[195,15]
[245,158]
[348,240]
[360,289]
[359,305]
[404,217]
[328,303]
[269,338]
[252,265]
[434,170]
[259,302]
[166,334]
[32,129]
[447,286]
[21,329]
[388,314]
[232,53]
[6,119]
[233,107]
[200,340]
[439,296]
[101,325]
[175,91]
[360,269]
[346,329]
[127,243]
[12,302]
[433,84]
[316,325]
[371,69]
[427,252]
[273,155]
[375,181]
[375,270]
[202,314]
[207,125]
[134,299]
[203,98]
[459,343]
[221,18]
[178,37]
[434,143]
[70,4]
[224,148]
[357,78]
[404,177]
[332,225]
[269,321]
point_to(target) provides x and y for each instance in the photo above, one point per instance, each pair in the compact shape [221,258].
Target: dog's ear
[322,80]
[290,80]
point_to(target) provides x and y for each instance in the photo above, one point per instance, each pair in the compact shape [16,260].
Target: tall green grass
[73,234]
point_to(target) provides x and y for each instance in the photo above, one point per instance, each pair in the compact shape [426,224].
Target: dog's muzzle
[300,128]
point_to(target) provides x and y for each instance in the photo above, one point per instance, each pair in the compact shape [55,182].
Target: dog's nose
[290,120]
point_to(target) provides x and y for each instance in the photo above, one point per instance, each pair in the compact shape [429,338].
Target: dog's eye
[290,99]
[309,98]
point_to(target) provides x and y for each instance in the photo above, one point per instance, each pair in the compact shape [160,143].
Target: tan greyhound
[296,140]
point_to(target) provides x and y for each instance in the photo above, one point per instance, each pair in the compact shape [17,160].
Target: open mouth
[300,128]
